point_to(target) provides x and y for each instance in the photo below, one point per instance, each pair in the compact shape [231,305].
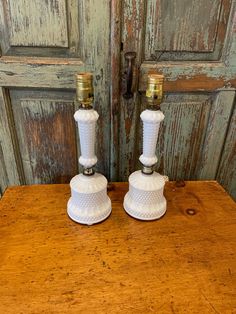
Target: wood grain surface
[182,263]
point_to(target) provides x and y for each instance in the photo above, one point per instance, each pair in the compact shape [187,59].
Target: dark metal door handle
[129,57]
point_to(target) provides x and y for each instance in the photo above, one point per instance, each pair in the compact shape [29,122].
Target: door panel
[38,28]
[185,30]
[43,45]
[182,135]
[46,133]
[25,23]
[211,40]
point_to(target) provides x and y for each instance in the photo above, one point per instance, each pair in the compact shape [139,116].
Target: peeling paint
[27,28]
[183,25]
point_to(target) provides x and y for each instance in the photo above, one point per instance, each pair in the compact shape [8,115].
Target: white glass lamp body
[89,202]
[145,199]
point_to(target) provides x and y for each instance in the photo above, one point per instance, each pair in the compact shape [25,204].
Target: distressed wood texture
[185,25]
[43,72]
[190,76]
[43,67]
[194,27]
[194,75]
[226,174]
[46,132]
[38,23]
[40,28]
[182,263]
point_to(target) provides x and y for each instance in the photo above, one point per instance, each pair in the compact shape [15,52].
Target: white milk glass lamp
[89,202]
[145,199]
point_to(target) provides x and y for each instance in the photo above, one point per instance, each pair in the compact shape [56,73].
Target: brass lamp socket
[84,89]
[154,91]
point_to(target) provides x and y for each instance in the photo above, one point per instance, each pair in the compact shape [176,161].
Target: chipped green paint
[49,73]
[38,23]
[175,71]
[26,31]
[179,30]
[182,25]
[222,71]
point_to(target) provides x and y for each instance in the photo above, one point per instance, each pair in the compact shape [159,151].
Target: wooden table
[182,263]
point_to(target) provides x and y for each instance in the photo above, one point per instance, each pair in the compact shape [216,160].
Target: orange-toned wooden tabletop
[182,263]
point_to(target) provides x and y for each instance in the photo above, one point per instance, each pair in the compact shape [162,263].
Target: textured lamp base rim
[144,212]
[73,210]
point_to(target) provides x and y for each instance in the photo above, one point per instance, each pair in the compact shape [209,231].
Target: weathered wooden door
[193,44]
[43,44]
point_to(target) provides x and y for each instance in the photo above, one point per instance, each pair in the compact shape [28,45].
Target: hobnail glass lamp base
[89,203]
[145,199]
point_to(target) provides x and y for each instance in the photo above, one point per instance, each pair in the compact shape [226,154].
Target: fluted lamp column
[145,199]
[89,202]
